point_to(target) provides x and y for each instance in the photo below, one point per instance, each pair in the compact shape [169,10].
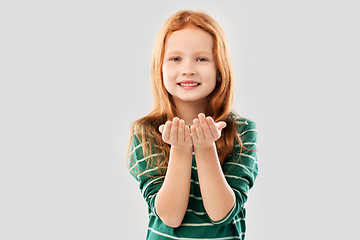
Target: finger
[205,126]
[194,135]
[199,132]
[181,131]
[161,128]
[213,127]
[166,133]
[174,129]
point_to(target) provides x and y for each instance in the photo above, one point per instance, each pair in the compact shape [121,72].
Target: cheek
[166,78]
[168,73]
[210,73]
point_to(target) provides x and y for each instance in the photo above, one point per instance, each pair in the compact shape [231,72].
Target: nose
[189,73]
[188,69]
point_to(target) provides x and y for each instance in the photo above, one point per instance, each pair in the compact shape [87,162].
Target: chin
[194,100]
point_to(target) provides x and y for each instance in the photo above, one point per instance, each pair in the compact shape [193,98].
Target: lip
[188,82]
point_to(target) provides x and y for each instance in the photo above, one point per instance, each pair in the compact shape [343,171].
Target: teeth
[188,84]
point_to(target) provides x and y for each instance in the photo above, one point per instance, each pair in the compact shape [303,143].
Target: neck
[189,110]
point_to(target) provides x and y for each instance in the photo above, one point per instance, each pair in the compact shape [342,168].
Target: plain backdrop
[75,74]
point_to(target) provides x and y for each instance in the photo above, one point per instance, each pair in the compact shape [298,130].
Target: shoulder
[241,122]
[143,130]
[245,127]
[145,136]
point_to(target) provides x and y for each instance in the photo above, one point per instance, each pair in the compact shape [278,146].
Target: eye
[175,59]
[202,59]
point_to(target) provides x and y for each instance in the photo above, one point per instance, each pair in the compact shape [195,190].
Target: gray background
[75,74]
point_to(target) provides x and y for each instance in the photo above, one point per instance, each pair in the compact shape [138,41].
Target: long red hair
[220,100]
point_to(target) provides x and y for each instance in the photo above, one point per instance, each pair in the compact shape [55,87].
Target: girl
[194,158]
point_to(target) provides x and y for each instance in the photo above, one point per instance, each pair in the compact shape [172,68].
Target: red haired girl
[194,158]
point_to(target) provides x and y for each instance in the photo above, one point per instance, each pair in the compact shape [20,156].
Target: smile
[189,84]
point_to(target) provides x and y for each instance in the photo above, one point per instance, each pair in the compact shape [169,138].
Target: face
[189,70]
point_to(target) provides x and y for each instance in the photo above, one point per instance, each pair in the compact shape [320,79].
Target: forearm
[218,197]
[172,199]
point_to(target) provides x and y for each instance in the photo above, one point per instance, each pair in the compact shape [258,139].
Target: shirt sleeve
[241,168]
[150,180]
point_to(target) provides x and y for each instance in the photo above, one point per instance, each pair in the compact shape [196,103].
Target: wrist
[205,147]
[181,148]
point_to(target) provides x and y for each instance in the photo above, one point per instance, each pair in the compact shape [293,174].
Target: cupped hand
[205,131]
[176,133]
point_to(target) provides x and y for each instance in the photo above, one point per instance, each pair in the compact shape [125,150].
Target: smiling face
[189,69]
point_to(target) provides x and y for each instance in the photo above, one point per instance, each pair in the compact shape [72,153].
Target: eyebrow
[196,53]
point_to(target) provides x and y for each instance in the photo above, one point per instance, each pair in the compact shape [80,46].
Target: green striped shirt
[240,170]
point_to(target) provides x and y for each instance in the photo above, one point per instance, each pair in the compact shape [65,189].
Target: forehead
[188,39]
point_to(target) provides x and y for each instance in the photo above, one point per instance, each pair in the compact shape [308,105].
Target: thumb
[161,128]
[220,125]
